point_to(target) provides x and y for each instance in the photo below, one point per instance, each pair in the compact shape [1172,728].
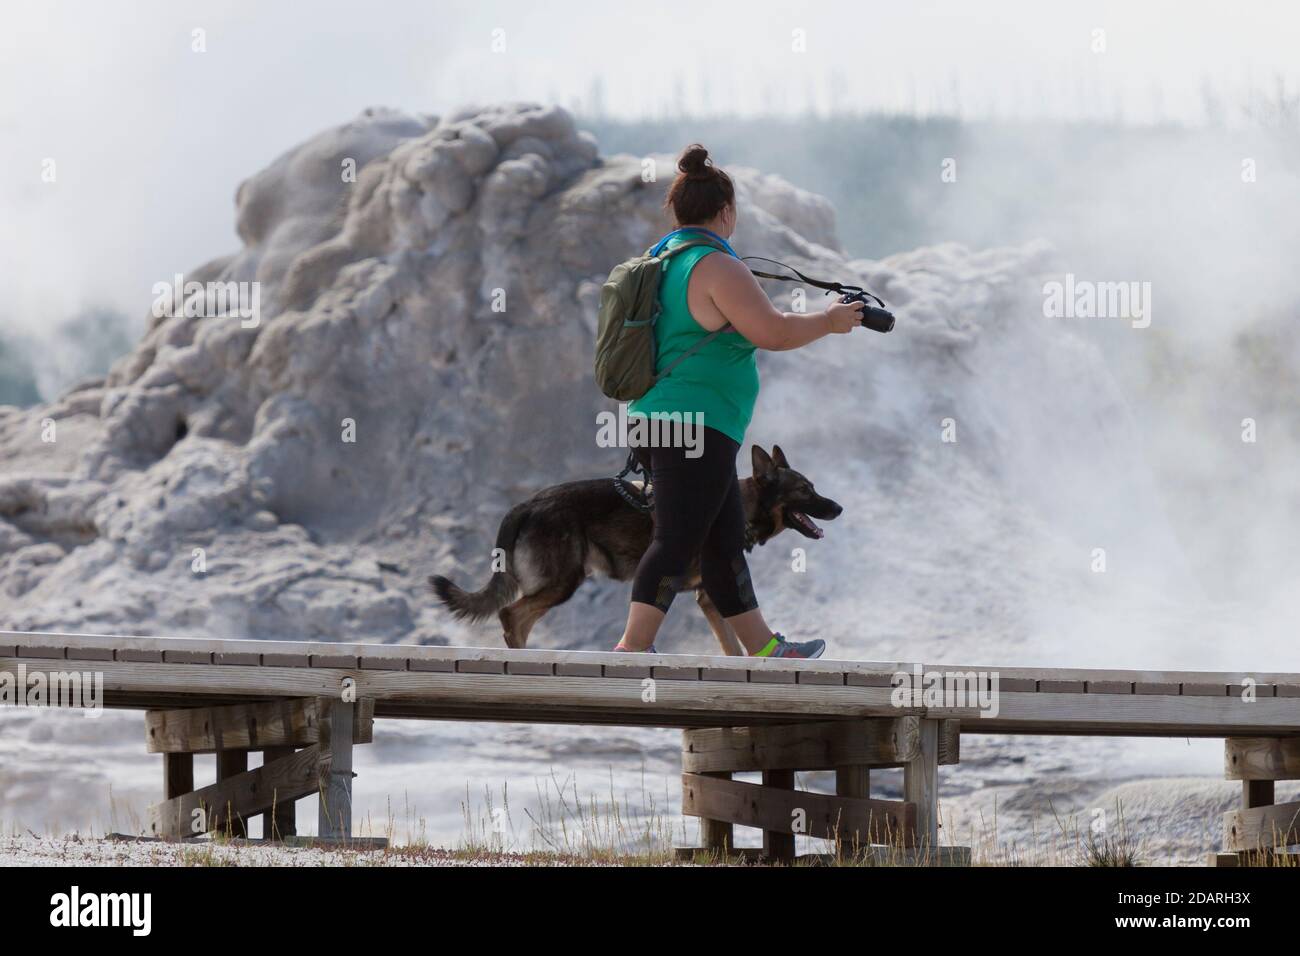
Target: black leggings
[697,510]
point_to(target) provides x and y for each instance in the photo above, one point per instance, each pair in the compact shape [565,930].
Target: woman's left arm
[737,295]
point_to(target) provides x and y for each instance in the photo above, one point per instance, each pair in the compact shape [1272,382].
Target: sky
[150,137]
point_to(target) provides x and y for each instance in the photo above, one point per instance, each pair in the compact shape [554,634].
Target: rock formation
[421,359]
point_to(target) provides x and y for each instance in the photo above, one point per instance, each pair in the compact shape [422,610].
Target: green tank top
[720,381]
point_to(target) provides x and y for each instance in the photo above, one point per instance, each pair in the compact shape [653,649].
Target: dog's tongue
[809,524]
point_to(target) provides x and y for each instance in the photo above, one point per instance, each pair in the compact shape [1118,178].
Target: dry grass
[570,829]
[568,826]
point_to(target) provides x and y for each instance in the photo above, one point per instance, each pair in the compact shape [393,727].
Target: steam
[1078,439]
[1202,522]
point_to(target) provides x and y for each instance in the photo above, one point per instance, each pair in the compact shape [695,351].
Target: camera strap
[816,283]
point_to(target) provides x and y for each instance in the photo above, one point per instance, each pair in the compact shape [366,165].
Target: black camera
[874,317]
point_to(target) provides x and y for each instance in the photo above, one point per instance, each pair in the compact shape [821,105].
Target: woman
[697,506]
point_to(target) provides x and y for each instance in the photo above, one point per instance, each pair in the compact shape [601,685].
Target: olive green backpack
[625,333]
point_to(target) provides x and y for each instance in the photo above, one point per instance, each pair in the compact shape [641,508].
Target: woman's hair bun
[700,190]
[695,162]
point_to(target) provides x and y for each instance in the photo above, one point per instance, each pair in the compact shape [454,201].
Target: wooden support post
[1262,758]
[1256,793]
[921,785]
[282,821]
[853,780]
[949,742]
[1261,827]
[718,836]
[293,722]
[238,797]
[787,811]
[776,844]
[851,819]
[178,774]
[231,763]
[307,749]
[1267,828]
[334,819]
[877,742]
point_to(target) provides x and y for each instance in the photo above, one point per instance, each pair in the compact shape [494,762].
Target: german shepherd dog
[551,543]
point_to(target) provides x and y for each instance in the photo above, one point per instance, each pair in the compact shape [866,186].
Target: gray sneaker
[805,650]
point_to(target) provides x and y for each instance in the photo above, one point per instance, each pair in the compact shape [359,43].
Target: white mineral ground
[377,306]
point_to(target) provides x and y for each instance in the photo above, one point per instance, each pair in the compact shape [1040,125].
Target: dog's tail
[501,587]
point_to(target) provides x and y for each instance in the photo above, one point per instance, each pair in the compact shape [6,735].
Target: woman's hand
[844,316]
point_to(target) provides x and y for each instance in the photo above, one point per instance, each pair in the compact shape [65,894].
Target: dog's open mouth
[805,525]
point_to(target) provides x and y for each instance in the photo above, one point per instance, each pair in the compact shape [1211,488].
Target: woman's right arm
[737,295]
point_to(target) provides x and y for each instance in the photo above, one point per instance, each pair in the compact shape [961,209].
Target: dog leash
[643,499]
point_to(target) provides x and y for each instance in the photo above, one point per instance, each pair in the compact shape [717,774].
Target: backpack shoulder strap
[668,253]
[692,350]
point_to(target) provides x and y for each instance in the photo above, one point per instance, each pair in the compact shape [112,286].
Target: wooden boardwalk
[306,704]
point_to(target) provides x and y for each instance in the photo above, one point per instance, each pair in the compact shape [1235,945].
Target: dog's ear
[764,470]
[778,457]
